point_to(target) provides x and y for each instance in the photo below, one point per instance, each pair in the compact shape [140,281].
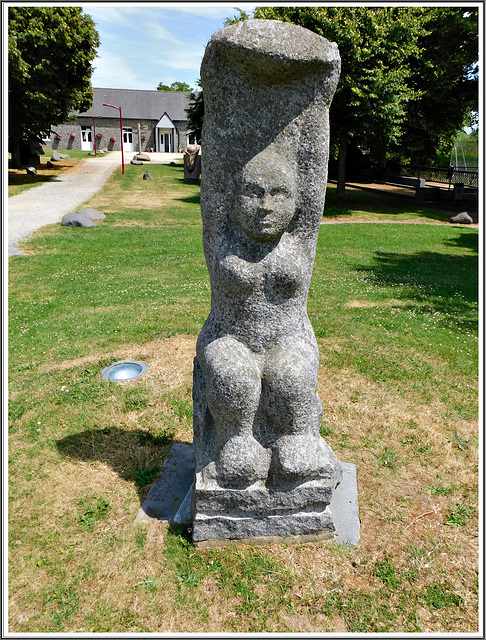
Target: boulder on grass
[77,220]
[147,176]
[142,156]
[55,156]
[134,161]
[462,218]
[93,214]
[64,155]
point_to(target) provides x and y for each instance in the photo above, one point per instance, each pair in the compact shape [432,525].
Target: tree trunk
[15,152]
[341,182]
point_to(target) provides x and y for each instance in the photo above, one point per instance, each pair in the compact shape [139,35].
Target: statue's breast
[279,276]
[285,274]
[238,275]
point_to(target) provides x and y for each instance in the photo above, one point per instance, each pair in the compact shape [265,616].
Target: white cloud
[143,44]
[210,10]
[114,72]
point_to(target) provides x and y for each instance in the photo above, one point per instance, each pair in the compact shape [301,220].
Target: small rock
[64,155]
[147,176]
[142,156]
[55,156]
[133,161]
[93,214]
[31,171]
[462,218]
[76,220]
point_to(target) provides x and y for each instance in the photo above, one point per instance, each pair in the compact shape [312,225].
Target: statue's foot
[241,462]
[300,458]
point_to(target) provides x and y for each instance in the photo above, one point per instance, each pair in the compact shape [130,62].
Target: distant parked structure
[160,114]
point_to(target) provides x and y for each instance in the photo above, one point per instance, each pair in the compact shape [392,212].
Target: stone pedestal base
[317,513]
[254,512]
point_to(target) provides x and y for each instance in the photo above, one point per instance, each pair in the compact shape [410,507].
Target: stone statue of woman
[257,350]
[259,455]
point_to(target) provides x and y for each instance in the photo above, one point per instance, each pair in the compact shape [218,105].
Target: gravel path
[46,204]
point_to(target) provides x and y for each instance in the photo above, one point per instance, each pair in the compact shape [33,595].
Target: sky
[143,44]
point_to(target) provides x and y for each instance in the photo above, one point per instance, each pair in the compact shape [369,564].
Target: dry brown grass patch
[169,359]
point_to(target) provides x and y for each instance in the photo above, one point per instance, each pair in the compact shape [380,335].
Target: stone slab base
[167,494]
[236,527]
[170,496]
[265,540]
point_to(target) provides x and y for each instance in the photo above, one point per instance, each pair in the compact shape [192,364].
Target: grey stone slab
[266,540]
[183,515]
[77,220]
[93,214]
[344,507]
[222,527]
[171,487]
[461,218]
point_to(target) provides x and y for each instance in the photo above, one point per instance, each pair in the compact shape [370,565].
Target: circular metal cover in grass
[124,370]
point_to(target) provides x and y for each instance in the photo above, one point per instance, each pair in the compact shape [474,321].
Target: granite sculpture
[262,469]
[192,163]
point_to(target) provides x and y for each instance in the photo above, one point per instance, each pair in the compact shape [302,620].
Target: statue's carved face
[266,199]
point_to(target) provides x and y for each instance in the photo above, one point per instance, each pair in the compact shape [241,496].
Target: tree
[175,86]
[50,50]
[195,111]
[376,45]
[242,15]
[445,79]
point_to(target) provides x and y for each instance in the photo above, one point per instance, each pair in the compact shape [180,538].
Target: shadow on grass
[444,283]
[135,455]
[191,199]
[357,202]
[466,240]
[20,180]
[189,182]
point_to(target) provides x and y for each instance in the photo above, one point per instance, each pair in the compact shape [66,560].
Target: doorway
[166,142]
[86,139]
[127,139]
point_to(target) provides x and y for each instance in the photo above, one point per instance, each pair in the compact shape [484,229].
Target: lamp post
[94,131]
[121,133]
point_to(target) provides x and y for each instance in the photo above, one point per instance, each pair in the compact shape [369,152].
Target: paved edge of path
[48,203]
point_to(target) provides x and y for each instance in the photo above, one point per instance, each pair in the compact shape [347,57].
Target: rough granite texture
[262,468]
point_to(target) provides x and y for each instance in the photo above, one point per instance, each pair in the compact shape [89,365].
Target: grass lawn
[19,181]
[394,309]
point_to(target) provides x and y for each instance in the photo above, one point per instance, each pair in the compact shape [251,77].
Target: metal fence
[446,175]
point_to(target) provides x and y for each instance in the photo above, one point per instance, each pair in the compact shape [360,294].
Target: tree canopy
[445,80]
[175,86]
[408,77]
[50,50]
[376,45]
[195,111]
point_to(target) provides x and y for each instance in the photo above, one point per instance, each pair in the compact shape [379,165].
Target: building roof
[135,103]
